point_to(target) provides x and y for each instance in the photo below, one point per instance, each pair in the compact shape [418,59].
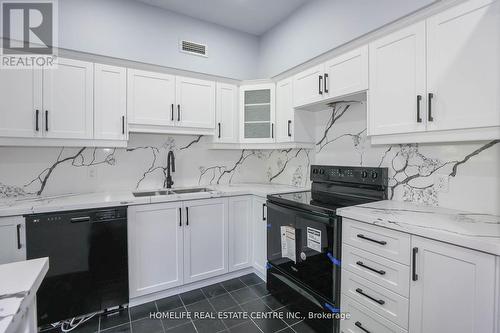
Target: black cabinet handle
[187,215]
[371,239]
[289,125]
[180,217]
[178,112]
[360,326]
[414,275]
[360,263]
[219,130]
[123,125]
[320,78]
[272,131]
[419,99]
[46,120]
[326,84]
[429,101]
[379,301]
[263,212]
[37,114]
[172,113]
[19,237]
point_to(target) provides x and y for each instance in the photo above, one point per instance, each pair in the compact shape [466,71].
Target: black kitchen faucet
[170,164]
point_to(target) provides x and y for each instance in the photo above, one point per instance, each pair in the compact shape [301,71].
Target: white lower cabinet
[171,244]
[260,235]
[240,232]
[450,289]
[205,239]
[155,248]
[12,239]
[453,289]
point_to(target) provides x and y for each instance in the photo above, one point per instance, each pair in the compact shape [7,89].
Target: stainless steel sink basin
[191,190]
[151,193]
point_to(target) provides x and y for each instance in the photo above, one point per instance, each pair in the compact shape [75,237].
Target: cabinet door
[463,70]
[397,79]
[205,239]
[154,248]
[308,86]
[240,232]
[150,98]
[227,113]
[195,102]
[284,110]
[18,115]
[347,74]
[110,102]
[68,100]
[257,113]
[12,239]
[451,281]
[260,235]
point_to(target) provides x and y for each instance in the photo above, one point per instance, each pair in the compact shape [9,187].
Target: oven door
[306,246]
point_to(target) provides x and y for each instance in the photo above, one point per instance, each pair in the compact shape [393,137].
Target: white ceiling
[251,16]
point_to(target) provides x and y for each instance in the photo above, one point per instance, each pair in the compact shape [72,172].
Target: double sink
[171,191]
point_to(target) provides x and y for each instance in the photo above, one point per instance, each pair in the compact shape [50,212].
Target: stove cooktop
[304,200]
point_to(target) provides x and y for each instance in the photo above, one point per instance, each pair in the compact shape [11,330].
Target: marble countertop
[472,230]
[22,206]
[19,282]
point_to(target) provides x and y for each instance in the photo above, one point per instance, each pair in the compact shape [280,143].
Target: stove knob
[364,174]
[374,175]
[321,171]
[340,172]
[315,171]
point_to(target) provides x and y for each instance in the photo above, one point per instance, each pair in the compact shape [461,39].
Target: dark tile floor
[245,294]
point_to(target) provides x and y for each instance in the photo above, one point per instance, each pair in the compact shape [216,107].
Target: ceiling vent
[193,48]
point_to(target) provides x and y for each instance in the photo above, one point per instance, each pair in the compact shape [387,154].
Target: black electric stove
[305,235]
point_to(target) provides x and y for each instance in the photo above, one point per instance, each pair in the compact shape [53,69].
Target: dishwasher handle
[80,219]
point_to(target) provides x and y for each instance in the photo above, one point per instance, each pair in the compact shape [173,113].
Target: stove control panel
[360,175]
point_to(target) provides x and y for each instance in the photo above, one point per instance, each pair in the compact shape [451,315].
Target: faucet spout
[170,168]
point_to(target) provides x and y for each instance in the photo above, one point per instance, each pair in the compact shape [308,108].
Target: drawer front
[384,302]
[363,318]
[387,273]
[388,243]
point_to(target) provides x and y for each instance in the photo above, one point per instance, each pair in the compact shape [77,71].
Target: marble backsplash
[460,175]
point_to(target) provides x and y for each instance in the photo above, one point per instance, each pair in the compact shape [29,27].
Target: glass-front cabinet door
[257,103]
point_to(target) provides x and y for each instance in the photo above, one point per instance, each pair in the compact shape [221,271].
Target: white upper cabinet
[195,103]
[448,282]
[291,125]
[110,102]
[205,239]
[20,103]
[396,101]
[463,66]
[346,74]
[226,113]
[68,100]
[308,86]
[150,98]
[257,108]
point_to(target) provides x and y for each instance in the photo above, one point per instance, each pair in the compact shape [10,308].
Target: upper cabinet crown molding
[438,80]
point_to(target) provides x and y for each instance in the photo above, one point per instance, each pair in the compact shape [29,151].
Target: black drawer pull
[19,237]
[360,326]
[379,301]
[414,275]
[360,263]
[371,239]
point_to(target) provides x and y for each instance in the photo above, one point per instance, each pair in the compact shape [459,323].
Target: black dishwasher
[88,265]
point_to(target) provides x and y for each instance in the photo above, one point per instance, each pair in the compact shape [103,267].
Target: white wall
[322,25]
[134,31]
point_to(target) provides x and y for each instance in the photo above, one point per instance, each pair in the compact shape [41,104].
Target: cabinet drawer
[381,241]
[387,273]
[384,302]
[363,318]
